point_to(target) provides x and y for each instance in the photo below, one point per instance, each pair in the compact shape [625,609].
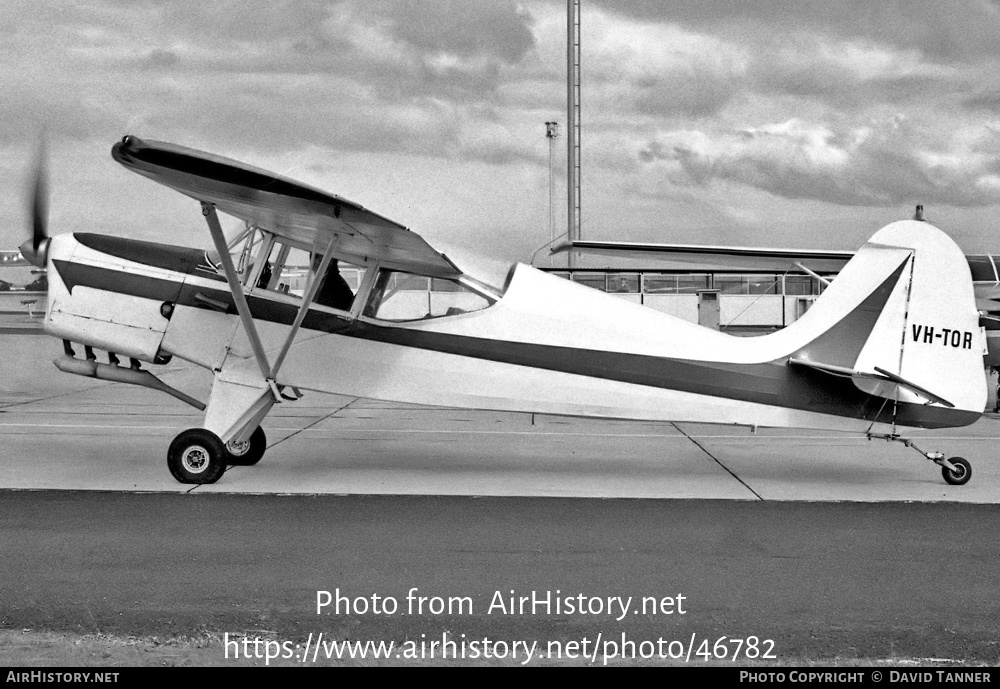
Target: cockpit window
[398,296]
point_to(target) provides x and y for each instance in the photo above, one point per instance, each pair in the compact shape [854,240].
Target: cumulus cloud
[959,30]
[676,103]
[884,163]
[465,28]
[417,40]
[660,70]
[850,75]
[985,99]
[159,59]
[414,77]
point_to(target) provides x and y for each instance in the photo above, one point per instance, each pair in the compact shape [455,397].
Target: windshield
[398,296]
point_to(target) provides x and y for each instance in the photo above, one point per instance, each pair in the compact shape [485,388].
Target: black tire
[197,456]
[962,473]
[250,452]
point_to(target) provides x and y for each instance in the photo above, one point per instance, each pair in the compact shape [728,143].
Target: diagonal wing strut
[307,298]
[208,210]
[268,370]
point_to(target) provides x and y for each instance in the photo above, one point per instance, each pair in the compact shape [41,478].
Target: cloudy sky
[777,122]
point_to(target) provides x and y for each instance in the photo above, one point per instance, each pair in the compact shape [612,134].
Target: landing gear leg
[956,470]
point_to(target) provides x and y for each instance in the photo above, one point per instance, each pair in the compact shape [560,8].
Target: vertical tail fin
[906,328]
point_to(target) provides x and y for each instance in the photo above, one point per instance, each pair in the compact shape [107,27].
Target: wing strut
[208,210]
[269,371]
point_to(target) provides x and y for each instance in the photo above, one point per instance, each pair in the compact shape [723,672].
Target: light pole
[551,132]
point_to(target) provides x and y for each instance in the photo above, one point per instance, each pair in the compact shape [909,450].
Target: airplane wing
[711,258]
[287,208]
[706,257]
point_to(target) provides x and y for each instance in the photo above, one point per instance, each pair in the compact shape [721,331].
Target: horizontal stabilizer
[924,392]
[881,374]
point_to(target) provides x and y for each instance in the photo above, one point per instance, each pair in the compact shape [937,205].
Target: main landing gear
[198,455]
[956,470]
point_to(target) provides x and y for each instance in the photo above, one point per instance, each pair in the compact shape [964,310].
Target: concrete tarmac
[60,431]
[833,546]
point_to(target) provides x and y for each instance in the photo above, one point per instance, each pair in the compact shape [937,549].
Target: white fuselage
[547,345]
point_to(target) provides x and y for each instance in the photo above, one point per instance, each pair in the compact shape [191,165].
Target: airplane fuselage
[546,345]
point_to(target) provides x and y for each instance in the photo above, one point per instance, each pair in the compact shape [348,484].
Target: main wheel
[962,473]
[249,452]
[197,456]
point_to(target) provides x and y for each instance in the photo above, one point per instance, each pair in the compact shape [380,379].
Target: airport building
[747,302]
[706,291]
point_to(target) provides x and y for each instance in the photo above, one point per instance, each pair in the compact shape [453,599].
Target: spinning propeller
[35,250]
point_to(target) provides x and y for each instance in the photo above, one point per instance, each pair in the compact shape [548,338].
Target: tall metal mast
[573,120]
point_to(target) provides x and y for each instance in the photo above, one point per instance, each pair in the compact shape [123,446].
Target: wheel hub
[238,449]
[195,459]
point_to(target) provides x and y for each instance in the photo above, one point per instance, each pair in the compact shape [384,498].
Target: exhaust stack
[89,368]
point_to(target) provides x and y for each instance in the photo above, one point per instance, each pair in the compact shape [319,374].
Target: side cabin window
[287,270]
[339,285]
[398,296]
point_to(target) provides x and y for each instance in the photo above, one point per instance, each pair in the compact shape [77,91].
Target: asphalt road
[822,580]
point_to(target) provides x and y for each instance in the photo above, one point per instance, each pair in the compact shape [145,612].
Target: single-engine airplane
[893,343]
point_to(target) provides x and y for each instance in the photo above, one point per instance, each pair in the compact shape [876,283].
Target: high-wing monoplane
[893,343]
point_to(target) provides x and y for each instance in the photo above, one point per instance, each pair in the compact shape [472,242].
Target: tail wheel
[249,452]
[962,473]
[197,456]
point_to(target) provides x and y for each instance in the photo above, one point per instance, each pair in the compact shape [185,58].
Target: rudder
[942,346]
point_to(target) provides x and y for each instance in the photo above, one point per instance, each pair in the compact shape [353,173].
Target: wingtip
[122,151]
[561,246]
